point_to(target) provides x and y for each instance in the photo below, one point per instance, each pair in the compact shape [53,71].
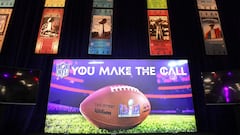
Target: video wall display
[5,15]
[49,31]
[100,39]
[7,3]
[160,42]
[120,96]
[221,87]
[18,86]
[211,26]
[54,3]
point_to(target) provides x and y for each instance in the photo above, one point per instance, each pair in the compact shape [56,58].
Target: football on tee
[116,107]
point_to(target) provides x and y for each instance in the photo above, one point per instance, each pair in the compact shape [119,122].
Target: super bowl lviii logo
[62,70]
[129,110]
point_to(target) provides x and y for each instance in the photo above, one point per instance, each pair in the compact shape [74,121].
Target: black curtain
[130,40]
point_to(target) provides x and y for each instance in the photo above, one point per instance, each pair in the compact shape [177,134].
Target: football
[116,107]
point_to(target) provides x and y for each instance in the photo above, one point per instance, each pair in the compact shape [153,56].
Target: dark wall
[130,40]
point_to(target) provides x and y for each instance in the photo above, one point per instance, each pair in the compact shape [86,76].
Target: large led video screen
[19,85]
[221,87]
[120,96]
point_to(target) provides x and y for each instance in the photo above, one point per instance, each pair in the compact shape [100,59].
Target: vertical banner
[157,4]
[5,15]
[7,3]
[211,27]
[212,33]
[207,4]
[102,3]
[100,39]
[160,42]
[49,31]
[54,3]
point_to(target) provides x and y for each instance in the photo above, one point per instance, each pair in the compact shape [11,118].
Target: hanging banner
[212,33]
[7,3]
[5,15]
[207,4]
[160,42]
[102,3]
[49,31]
[101,32]
[54,3]
[157,4]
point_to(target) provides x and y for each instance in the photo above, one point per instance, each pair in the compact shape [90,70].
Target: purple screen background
[168,94]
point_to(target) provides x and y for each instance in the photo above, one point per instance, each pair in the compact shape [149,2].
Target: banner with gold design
[49,31]
[54,3]
[5,15]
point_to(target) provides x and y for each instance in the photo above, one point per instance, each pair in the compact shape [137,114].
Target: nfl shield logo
[62,70]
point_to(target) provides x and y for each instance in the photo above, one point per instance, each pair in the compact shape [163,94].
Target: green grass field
[75,123]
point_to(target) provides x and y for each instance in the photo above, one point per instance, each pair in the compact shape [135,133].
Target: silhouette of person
[159,29]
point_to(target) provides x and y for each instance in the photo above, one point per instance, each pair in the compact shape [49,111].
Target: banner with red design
[49,31]
[160,42]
